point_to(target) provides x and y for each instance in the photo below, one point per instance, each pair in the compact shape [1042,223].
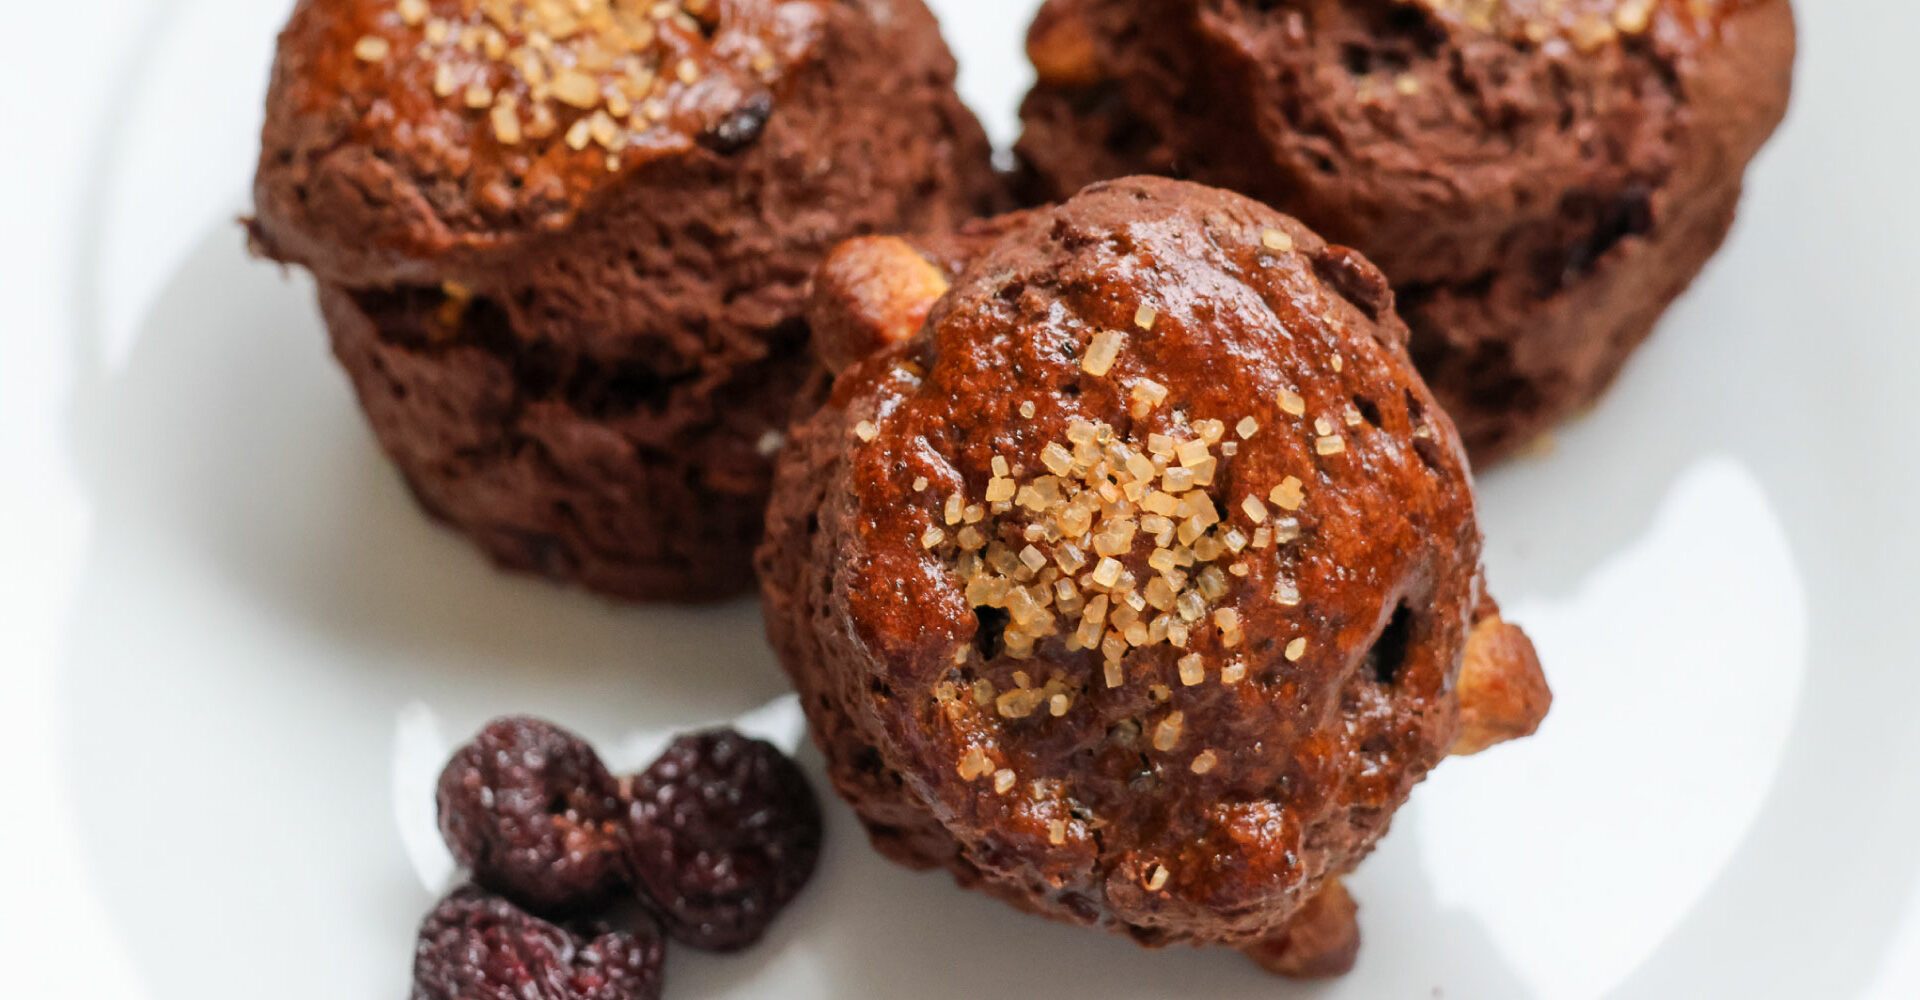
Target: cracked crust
[551,482]
[587,368]
[1300,732]
[1538,180]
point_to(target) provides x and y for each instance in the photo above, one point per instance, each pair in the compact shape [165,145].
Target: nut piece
[870,293]
[1321,940]
[1503,694]
[1060,46]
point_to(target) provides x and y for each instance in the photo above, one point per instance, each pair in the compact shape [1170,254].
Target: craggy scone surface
[564,246]
[1134,587]
[653,180]
[1538,178]
[433,125]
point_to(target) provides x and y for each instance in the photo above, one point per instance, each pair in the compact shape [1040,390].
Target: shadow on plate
[260,600]
[1751,365]
[867,928]
[261,597]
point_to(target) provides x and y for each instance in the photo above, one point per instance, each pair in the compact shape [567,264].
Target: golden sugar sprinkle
[1633,16]
[1144,397]
[1055,547]
[372,48]
[602,58]
[1102,352]
[1166,735]
[1587,29]
[974,764]
[1052,549]
[1289,495]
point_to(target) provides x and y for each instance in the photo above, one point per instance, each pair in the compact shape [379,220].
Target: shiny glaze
[474,180]
[1313,755]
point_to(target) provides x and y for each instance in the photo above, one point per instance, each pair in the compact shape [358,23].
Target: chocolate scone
[564,247]
[1128,570]
[1538,178]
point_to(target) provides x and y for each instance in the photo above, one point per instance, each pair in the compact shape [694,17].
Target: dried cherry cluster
[712,840]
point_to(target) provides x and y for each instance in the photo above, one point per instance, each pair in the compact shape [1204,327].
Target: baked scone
[1538,178]
[564,247]
[1130,576]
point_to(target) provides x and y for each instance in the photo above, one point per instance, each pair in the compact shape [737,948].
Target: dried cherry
[725,831]
[478,946]
[531,810]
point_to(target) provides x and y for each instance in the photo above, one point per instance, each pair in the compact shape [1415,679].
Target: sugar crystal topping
[1587,24]
[594,73]
[1113,544]
[1053,549]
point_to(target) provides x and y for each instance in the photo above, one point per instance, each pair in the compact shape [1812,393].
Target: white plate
[233,653]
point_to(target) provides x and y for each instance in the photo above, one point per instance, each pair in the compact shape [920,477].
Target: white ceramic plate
[234,655]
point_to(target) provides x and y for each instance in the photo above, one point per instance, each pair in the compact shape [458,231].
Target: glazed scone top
[1587,24]
[1160,556]
[506,113]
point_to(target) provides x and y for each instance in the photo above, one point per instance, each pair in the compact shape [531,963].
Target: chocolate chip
[741,126]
